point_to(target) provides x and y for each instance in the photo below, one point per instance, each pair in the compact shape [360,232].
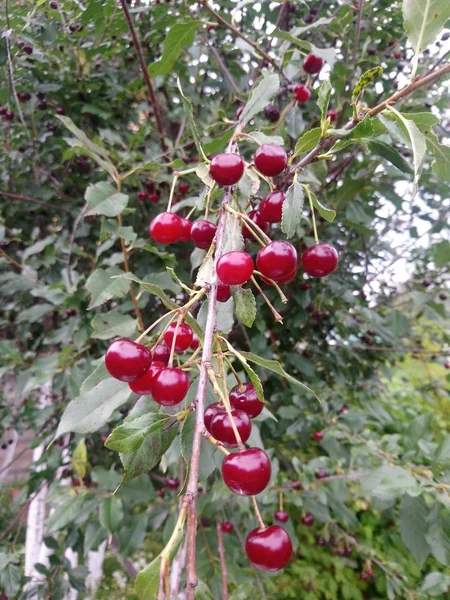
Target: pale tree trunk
[72,557]
[7,455]
[95,560]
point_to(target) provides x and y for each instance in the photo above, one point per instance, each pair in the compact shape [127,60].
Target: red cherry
[60,110]
[268,549]
[398,55]
[256,217]
[296,485]
[186,227]
[160,493]
[170,386]
[53,5]
[307,520]
[24,96]
[153,197]
[28,49]
[161,353]
[202,234]
[221,429]
[142,195]
[321,474]
[183,187]
[235,267]
[226,169]
[271,207]
[312,64]
[270,159]
[332,114]
[320,260]
[248,472]
[223,292]
[143,385]
[447,365]
[184,336]
[9,115]
[243,397]
[272,113]
[212,410]
[226,527]
[166,228]
[318,435]
[2,110]
[195,342]
[172,483]
[282,516]
[127,361]
[372,51]
[343,409]
[278,261]
[302,93]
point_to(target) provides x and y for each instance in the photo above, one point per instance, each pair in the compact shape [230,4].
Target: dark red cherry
[372,51]
[320,260]
[186,227]
[161,353]
[153,197]
[202,234]
[212,410]
[256,217]
[271,207]
[443,296]
[321,474]
[60,111]
[183,187]
[248,472]
[277,261]
[127,361]
[447,365]
[332,114]
[9,115]
[282,516]
[272,113]
[296,485]
[226,527]
[142,195]
[235,267]
[184,336]
[268,549]
[226,169]
[53,5]
[2,111]
[170,386]
[318,435]
[302,93]
[28,49]
[426,283]
[220,427]
[24,96]
[270,159]
[307,520]
[243,397]
[195,342]
[312,64]
[398,55]
[166,228]
[143,385]
[223,292]
[172,483]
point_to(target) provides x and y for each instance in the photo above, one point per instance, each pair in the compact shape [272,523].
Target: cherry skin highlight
[271,207]
[195,342]
[302,93]
[320,260]
[143,385]
[222,430]
[127,361]
[248,472]
[161,353]
[282,516]
[312,64]
[244,398]
[170,386]
[270,159]
[202,234]
[256,217]
[318,435]
[166,228]
[277,261]
[184,336]
[226,169]
[269,549]
[235,268]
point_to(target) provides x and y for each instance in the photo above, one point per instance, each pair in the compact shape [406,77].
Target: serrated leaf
[104,284]
[79,459]
[241,356]
[66,512]
[245,305]
[441,254]
[113,324]
[326,213]
[190,117]
[435,584]
[129,436]
[424,120]
[307,141]
[293,36]
[388,483]
[103,199]
[413,527]
[438,533]
[441,153]
[324,96]
[261,97]
[365,80]
[390,154]
[10,580]
[423,20]
[292,210]
[262,138]
[179,37]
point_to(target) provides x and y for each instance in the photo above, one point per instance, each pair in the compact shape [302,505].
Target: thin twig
[22,198]
[72,240]
[127,269]
[225,70]
[223,562]
[357,33]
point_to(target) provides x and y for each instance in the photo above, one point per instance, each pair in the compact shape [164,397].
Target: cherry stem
[257,513]
[313,216]
[174,340]
[250,223]
[225,401]
[208,201]
[283,298]
[250,137]
[172,191]
[275,313]
[281,499]
[266,179]
[212,440]
[233,370]
[143,334]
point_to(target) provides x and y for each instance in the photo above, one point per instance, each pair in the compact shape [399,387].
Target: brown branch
[226,72]
[22,198]
[223,562]
[357,33]
[127,270]
[146,75]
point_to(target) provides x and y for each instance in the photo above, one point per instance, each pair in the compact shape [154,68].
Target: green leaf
[105,284]
[79,459]
[362,130]
[241,356]
[438,534]
[307,141]
[267,139]
[326,213]
[441,458]
[390,154]
[397,322]
[323,99]
[413,527]
[244,592]
[129,436]
[261,97]
[92,410]
[10,580]
[132,536]
[190,117]
[292,210]
[365,80]
[298,31]
[423,20]
[441,254]
[103,199]
[441,153]
[179,37]
[245,305]
[388,483]
[111,513]
[424,120]
[435,584]
[66,512]
[113,324]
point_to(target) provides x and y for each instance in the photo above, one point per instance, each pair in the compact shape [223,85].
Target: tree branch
[223,563]
[22,198]
[226,72]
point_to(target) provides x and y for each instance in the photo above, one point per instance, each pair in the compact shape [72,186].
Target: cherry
[309,18]
[447,365]
[272,113]
[332,114]
[268,549]
[60,111]
[166,228]
[160,493]
[320,260]
[195,342]
[398,55]
[53,5]
[426,283]
[223,292]
[9,115]
[247,472]
[221,429]
[153,197]
[302,93]
[282,516]
[42,105]
[24,96]
[2,111]
[307,520]
[202,234]
[186,227]
[391,43]
[271,207]
[161,353]
[243,397]
[270,159]
[343,409]
[318,435]
[296,485]
[321,474]
[170,386]
[278,261]
[312,64]
[226,169]
[142,195]
[235,267]
[127,361]
[212,410]
[183,187]
[28,49]
[143,385]
[226,527]
[184,336]
[256,217]
[443,296]
[172,483]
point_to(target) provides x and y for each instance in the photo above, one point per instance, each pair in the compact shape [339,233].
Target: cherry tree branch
[22,198]
[223,563]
